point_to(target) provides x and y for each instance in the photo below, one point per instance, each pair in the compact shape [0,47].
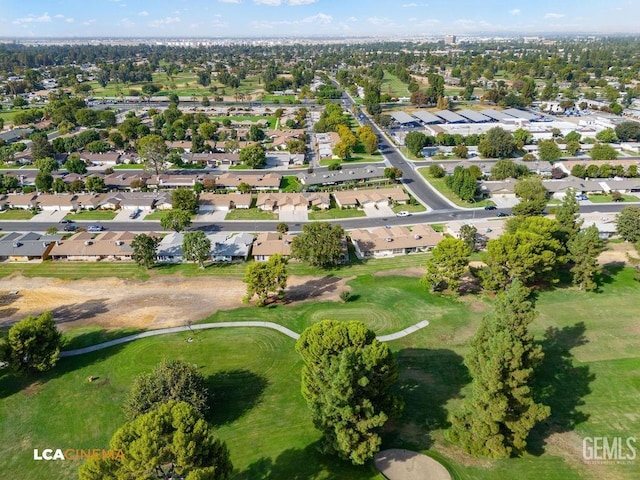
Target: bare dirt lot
[151,304]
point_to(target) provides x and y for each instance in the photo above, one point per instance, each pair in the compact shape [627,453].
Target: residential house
[271,243]
[284,159]
[259,182]
[224,247]
[26,247]
[212,202]
[108,159]
[387,242]
[352,175]
[373,197]
[26,201]
[88,247]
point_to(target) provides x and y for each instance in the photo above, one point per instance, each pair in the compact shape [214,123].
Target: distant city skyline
[302,18]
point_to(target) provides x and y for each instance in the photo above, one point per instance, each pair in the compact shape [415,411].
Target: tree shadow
[312,289]
[96,337]
[428,379]
[232,393]
[304,464]
[608,273]
[79,311]
[560,384]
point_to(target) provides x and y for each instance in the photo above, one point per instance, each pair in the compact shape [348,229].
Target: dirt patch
[151,304]
[617,254]
[32,389]
[404,272]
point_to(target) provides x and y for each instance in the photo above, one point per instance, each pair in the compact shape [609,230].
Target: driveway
[217,216]
[49,216]
[123,216]
[503,201]
[373,211]
[295,216]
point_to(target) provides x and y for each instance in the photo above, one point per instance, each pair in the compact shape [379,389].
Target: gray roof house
[26,247]
[224,247]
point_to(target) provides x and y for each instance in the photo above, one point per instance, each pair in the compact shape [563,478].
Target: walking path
[205,326]
[399,464]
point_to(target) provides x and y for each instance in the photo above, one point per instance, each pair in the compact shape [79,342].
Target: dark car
[70,228]
[502,214]
[66,220]
[490,207]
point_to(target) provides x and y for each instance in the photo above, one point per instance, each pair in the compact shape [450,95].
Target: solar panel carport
[427,117]
[402,117]
[449,116]
[514,112]
[474,117]
[496,115]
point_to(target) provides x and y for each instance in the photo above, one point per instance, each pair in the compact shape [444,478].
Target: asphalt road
[438,216]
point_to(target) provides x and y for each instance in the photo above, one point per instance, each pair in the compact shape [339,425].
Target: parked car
[135,213]
[403,214]
[490,207]
[95,228]
[70,228]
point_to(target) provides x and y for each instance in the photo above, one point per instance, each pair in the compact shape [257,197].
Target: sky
[302,18]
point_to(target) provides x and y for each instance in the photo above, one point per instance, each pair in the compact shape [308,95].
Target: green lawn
[16,214]
[394,86]
[157,215]
[417,208]
[128,166]
[608,198]
[590,378]
[252,118]
[336,213]
[250,214]
[290,183]
[440,185]
[92,215]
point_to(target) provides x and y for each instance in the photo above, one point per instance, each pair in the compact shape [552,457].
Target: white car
[403,214]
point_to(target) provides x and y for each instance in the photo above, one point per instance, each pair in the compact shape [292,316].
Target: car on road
[502,214]
[403,214]
[70,228]
[66,220]
[490,207]
[95,228]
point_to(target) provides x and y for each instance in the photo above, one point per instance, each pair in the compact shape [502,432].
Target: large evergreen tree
[568,217]
[33,344]
[320,244]
[447,263]
[500,412]
[584,249]
[346,380]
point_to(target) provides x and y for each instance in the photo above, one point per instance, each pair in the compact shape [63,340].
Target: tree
[608,135]
[601,151]
[468,235]
[256,134]
[196,247]
[392,173]
[43,181]
[436,171]
[46,164]
[282,228]
[253,156]
[548,150]
[144,249]
[628,224]
[506,168]
[498,143]
[320,244]
[533,197]
[153,152]
[184,199]
[628,131]
[415,142]
[572,147]
[568,217]
[342,150]
[500,412]
[529,251]
[347,381]
[264,278]
[205,102]
[584,249]
[460,151]
[33,344]
[170,380]
[172,441]
[579,170]
[176,220]
[447,263]
[75,165]
[40,146]
[95,184]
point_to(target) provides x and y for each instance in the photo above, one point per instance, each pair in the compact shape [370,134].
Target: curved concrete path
[206,326]
[399,464]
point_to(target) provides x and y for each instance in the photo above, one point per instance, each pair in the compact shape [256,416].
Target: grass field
[250,214]
[393,86]
[589,377]
[290,183]
[92,215]
[440,185]
[608,198]
[417,208]
[336,213]
[16,214]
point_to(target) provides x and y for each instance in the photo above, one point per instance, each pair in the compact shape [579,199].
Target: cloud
[320,18]
[44,18]
[229,1]
[125,22]
[143,13]
[164,21]
[277,3]
[89,22]
[515,11]
[380,21]
[414,5]
[69,20]
[58,16]
[554,15]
